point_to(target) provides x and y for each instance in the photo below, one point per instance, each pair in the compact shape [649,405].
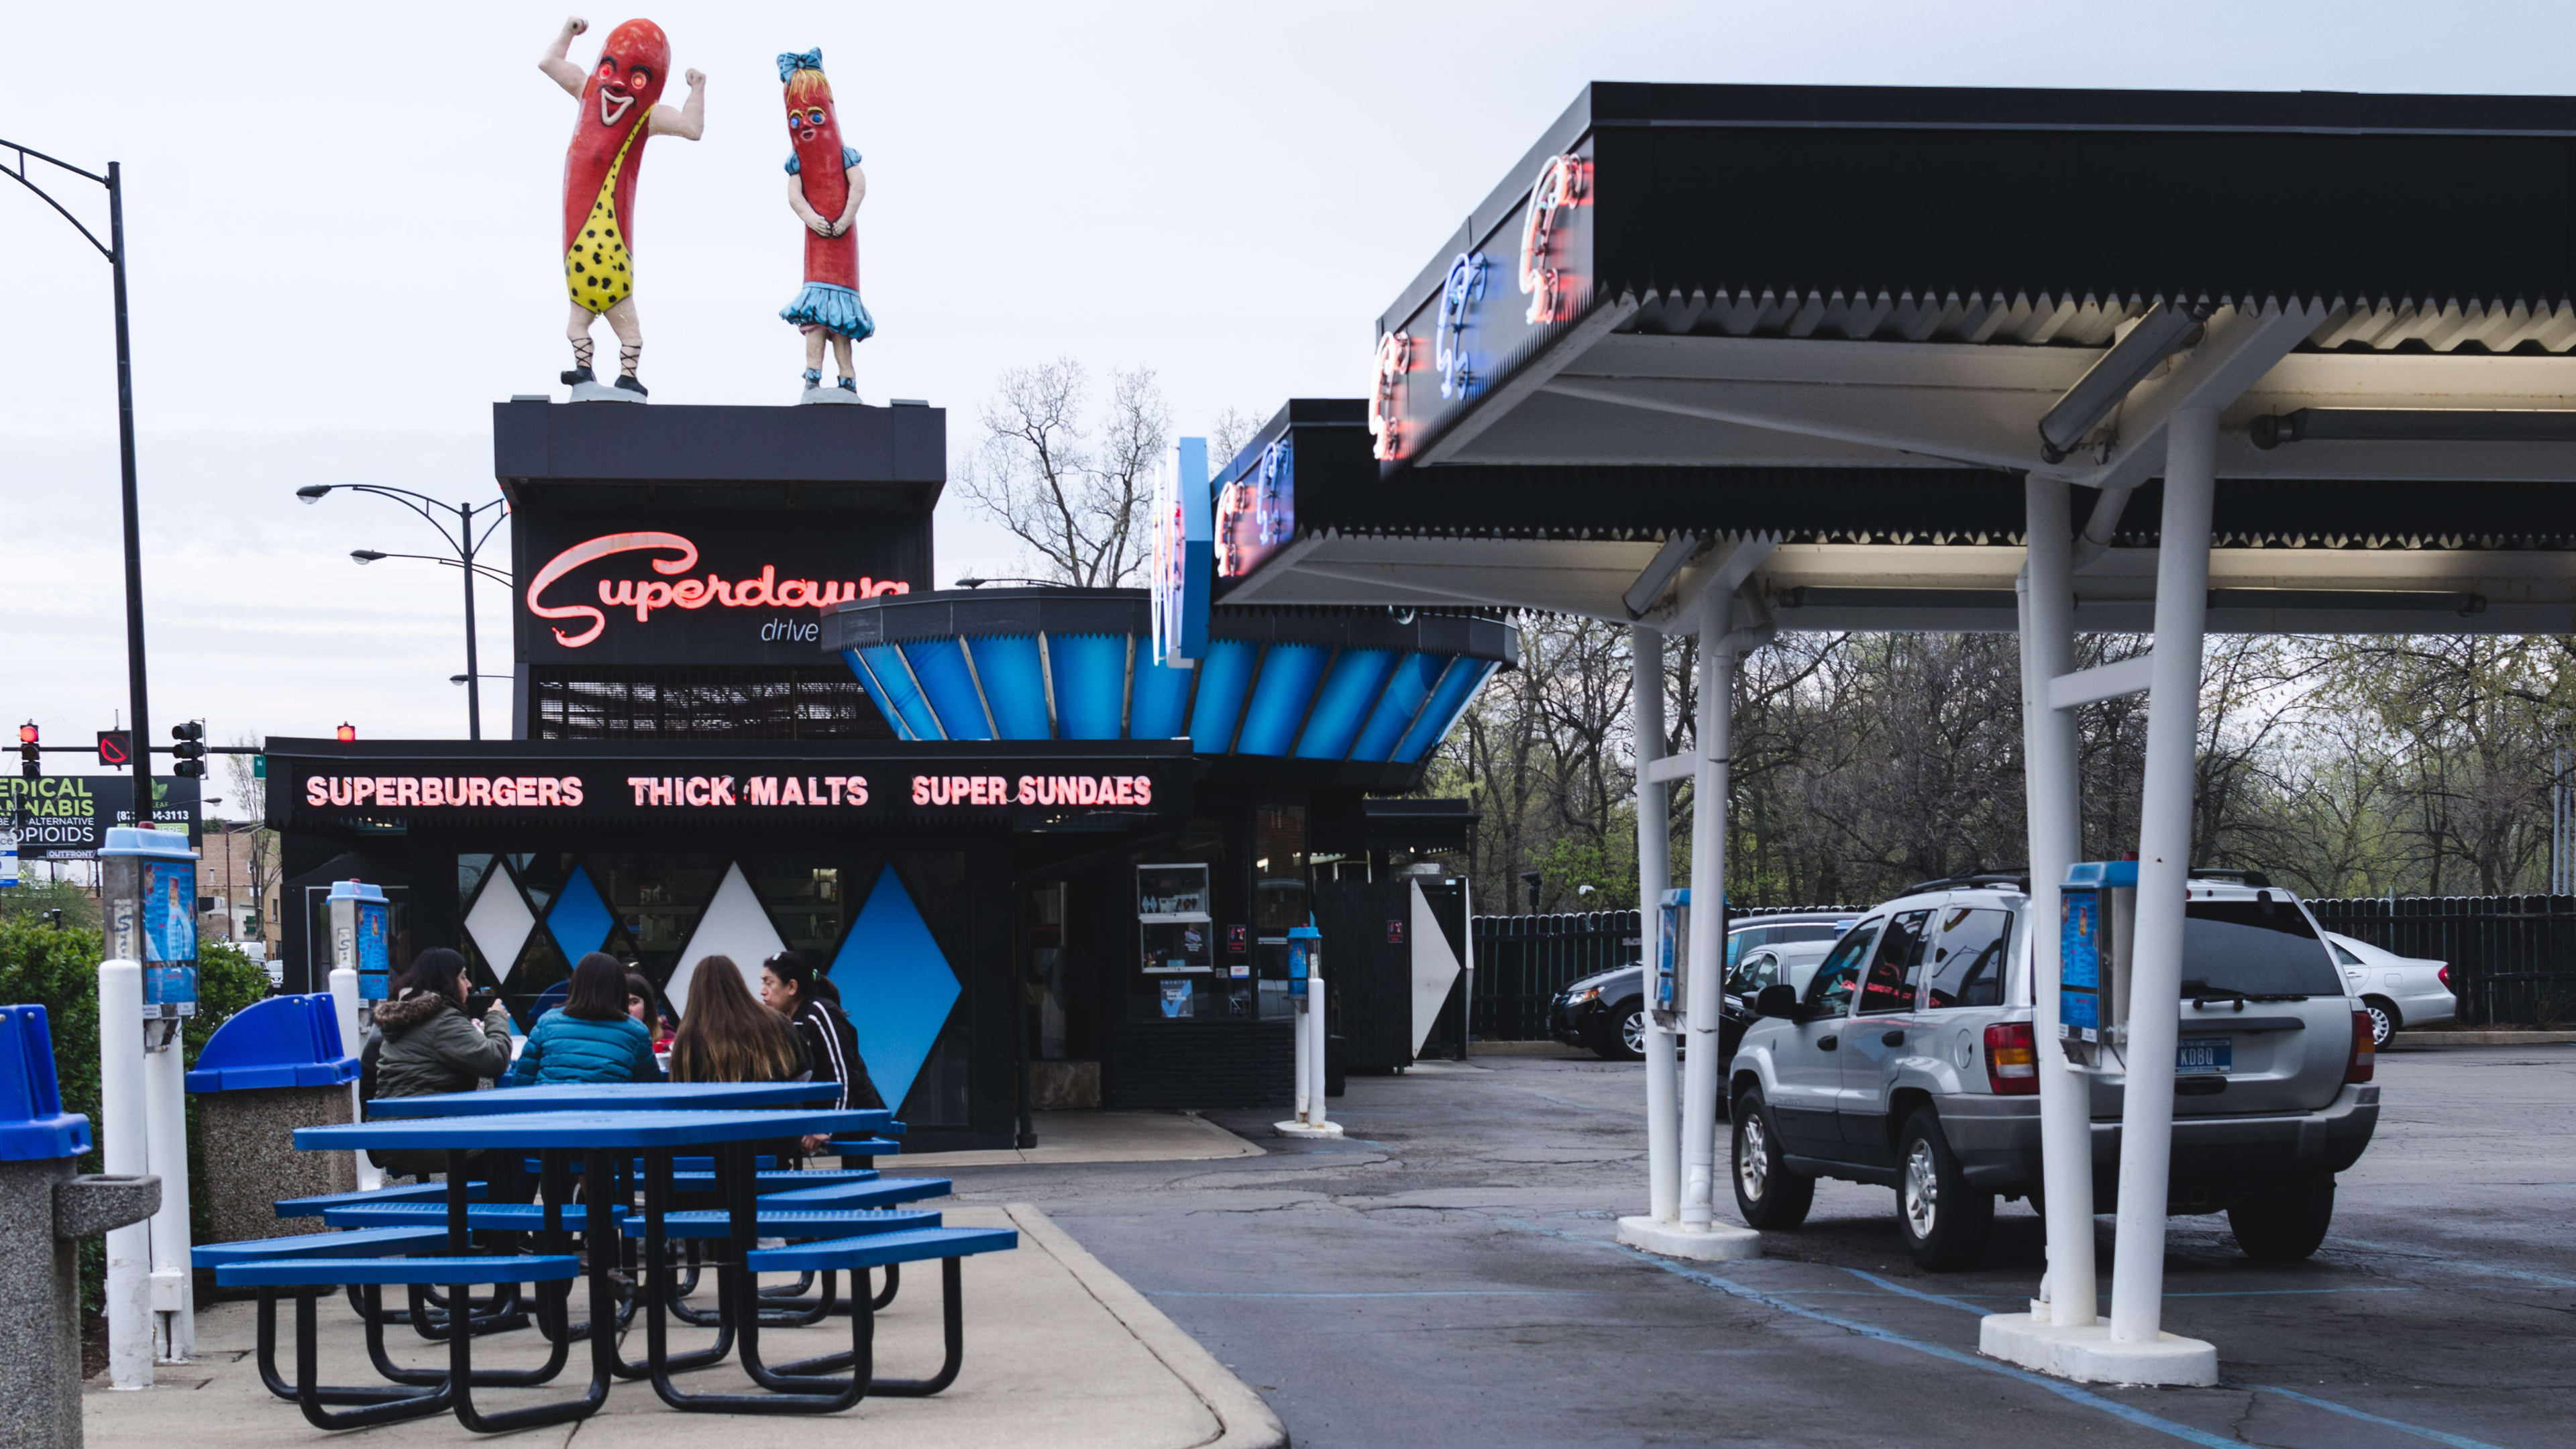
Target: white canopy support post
[1700,1013]
[1697,1234]
[1654,877]
[2055,805]
[2164,871]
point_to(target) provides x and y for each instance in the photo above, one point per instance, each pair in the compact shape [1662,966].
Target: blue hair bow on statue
[790,62]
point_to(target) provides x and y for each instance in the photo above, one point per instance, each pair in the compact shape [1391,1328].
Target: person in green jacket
[426,1042]
[590,1038]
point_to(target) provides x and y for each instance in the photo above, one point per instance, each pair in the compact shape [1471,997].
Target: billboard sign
[62,817]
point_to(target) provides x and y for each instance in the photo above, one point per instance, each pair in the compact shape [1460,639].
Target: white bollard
[345,1008]
[165,1125]
[1302,1043]
[1316,1116]
[121,1139]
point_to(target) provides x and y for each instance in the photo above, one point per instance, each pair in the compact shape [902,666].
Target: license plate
[2205,1055]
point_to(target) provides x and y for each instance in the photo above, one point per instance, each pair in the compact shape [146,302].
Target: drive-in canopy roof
[1829,321]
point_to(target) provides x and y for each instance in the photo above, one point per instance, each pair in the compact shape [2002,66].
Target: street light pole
[134,656]
[473,672]
[114,250]
[466,543]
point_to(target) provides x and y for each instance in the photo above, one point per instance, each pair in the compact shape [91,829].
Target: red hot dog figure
[824,189]
[618,113]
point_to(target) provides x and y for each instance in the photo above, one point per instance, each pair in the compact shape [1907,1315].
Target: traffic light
[191,749]
[348,734]
[29,751]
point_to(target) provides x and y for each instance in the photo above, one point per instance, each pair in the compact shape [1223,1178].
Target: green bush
[57,969]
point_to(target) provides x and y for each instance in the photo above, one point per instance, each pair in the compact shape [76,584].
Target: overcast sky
[343,223]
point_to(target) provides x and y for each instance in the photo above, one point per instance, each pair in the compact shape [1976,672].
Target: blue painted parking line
[2069,1392]
[1417,1293]
[1957,1300]
[2456,1441]
[2310,1399]
[2467,1265]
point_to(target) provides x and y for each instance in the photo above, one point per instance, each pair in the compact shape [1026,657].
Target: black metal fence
[1524,962]
[2513,958]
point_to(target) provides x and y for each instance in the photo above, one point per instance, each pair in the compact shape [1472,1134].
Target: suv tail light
[2444,976]
[2365,1056]
[2012,1060]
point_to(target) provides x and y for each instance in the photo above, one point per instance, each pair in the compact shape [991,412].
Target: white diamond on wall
[734,925]
[500,922]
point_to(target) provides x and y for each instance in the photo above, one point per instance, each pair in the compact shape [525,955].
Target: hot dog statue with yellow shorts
[618,96]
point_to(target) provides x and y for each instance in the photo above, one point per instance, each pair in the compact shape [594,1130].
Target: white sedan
[2397,991]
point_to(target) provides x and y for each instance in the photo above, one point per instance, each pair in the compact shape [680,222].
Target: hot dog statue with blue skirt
[824,189]
[619,112]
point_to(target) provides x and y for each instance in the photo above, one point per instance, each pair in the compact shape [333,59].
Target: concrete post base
[2088,1356]
[1717,1243]
[828,395]
[1299,1129]
[604,392]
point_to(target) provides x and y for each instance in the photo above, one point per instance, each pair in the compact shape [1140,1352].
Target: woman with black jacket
[788,987]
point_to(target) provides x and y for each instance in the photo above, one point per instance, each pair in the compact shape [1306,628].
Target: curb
[1245,1421]
[2481,1038]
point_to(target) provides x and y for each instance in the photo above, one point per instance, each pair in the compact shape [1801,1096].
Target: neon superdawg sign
[674,591]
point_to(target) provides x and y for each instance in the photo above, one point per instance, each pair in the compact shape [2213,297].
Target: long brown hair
[726,1035]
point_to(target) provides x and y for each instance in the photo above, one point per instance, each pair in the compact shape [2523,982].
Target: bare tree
[1075,488]
[1226,436]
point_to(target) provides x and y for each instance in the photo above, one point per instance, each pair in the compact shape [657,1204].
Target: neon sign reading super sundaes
[1465,288]
[763,591]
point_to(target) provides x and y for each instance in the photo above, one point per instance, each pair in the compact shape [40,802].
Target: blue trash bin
[44,1211]
[273,1067]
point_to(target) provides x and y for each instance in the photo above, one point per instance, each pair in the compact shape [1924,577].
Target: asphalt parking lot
[1446,1276]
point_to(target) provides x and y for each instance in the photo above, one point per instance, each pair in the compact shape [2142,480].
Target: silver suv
[1908,1061]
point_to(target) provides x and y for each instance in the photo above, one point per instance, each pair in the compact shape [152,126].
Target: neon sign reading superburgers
[765,591]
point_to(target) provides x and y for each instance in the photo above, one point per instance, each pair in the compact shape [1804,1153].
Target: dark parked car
[1607,1011]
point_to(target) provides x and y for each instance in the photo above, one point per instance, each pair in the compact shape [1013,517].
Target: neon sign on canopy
[1385,415]
[764,591]
[1559,185]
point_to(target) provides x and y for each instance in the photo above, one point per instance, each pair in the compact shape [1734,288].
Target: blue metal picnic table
[604,1137]
[606,1097]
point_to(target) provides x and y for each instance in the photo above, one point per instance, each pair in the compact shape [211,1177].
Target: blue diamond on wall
[896,987]
[580,920]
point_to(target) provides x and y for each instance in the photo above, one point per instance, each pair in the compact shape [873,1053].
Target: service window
[1896,970]
[1176,955]
[1968,960]
[1829,991]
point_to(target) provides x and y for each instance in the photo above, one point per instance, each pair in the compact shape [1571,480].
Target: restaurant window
[1176,976]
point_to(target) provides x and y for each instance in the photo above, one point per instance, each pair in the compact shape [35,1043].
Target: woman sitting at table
[590,1038]
[789,987]
[644,1004]
[726,1036]
[427,1041]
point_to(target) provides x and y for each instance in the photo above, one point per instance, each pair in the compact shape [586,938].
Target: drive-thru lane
[1447,1277]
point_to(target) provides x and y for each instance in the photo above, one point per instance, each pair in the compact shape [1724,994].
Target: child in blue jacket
[590,1038]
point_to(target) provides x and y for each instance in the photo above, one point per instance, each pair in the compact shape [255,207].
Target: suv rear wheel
[1767,1193]
[1944,1219]
[2288,1227]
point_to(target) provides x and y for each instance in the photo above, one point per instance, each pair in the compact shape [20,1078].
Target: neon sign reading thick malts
[766,591]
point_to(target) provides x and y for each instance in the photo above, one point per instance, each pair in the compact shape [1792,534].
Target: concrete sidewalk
[1059,1351]
[1100,1137]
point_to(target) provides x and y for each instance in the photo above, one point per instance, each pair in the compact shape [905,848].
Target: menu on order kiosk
[150,889]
